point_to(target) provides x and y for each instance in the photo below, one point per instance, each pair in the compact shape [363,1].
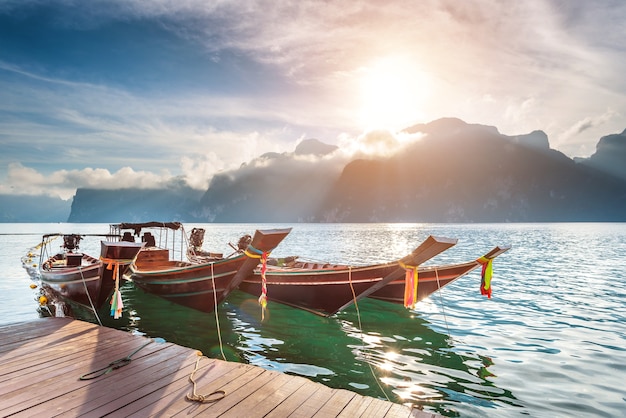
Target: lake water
[550,343]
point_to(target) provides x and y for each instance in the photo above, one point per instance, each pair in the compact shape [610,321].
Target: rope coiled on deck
[208,398]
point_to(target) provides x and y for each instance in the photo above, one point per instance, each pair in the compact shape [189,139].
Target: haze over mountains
[454,172]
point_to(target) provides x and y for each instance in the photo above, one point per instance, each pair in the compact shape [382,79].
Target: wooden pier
[42,361]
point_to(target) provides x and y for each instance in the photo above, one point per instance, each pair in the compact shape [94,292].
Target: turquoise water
[550,343]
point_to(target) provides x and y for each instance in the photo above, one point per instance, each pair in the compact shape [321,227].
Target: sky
[148,93]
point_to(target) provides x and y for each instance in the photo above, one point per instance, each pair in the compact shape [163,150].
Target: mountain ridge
[454,172]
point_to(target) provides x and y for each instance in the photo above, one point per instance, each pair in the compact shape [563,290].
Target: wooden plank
[337,402]
[43,359]
[311,405]
[294,401]
[249,407]
[147,390]
[376,409]
[32,340]
[34,362]
[228,383]
[47,384]
[236,392]
[277,397]
[219,372]
[421,414]
[84,397]
[50,366]
[356,407]
[398,411]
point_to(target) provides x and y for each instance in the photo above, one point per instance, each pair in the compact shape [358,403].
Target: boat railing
[164,235]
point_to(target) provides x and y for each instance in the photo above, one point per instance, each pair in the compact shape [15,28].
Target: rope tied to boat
[196,397]
[215,307]
[93,308]
[112,365]
[117,304]
[254,253]
[485,275]
[358,316]
[410,285]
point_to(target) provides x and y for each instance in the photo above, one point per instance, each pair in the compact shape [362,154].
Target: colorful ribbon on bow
[410,286]
[117,304]
[263,297]
[485,275]
[254,253]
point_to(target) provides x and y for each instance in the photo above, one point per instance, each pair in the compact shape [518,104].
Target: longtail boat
[325,289]
[432,278]
[79,277]
[200,285]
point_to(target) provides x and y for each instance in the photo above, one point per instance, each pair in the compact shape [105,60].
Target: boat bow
[428,249]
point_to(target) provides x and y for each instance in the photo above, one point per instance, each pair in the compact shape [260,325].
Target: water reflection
[417,364]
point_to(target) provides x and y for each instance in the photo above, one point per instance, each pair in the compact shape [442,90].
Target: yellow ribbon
[486,275]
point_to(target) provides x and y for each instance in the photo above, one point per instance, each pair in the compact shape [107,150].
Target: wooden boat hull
[86,280]
[199,286]
[325,290]
[80,284]
[320,291]
[431,279]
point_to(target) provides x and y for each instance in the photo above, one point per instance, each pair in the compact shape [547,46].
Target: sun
[393,93]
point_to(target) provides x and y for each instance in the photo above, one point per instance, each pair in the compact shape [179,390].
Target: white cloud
[520,66]
[63,183]
[378,143]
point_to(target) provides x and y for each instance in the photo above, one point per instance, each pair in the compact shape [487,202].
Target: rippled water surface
[550,342]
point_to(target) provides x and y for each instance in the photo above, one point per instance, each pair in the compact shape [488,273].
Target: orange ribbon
[410,286]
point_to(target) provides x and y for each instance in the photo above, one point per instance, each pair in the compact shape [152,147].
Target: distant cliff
[286,187]
[471,173]
[610,155]
[455,172]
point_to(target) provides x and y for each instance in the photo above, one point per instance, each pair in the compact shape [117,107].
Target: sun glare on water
[393,94]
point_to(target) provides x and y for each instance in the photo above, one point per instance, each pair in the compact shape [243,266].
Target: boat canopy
[139,226]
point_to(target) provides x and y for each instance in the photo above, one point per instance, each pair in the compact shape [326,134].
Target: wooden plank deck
[42,361]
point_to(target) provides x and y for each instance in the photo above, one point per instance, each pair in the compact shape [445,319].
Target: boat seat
[148,238]
[128,237]
[74,259]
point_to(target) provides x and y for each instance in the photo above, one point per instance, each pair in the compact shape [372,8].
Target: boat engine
[244,242]
[70,242]
[197,237]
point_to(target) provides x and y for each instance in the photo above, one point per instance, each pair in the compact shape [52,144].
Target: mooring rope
[358,315]
[443,311]
[112,365]
[217,319]
[95,312]
[194,396]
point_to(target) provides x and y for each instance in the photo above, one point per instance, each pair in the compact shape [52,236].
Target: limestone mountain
[286,187]
[610,155]
[471,173]
[452,172]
